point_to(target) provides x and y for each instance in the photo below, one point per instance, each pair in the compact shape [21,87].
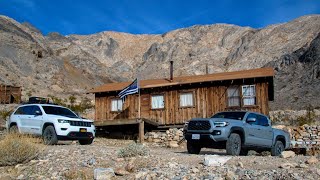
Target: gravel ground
[69,160]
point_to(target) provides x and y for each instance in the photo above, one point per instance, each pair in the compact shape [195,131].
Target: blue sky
[151,16]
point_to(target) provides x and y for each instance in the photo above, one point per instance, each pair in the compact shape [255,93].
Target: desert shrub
[78,174]
[17,148]
[133,150]
[4,114]
[308,118]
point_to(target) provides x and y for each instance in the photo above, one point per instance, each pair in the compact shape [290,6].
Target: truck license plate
[83,130]
[195,136]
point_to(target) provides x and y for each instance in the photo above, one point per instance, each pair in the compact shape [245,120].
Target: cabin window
[249,95]
[157,102]
[233,96]
[116,105]
[186,99]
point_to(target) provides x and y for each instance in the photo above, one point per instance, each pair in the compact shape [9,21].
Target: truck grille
[199,125]
[80,123]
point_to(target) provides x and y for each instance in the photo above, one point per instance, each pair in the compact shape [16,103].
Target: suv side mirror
[38,113]
[252,119]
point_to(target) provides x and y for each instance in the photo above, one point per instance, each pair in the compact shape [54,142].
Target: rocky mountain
[64,65]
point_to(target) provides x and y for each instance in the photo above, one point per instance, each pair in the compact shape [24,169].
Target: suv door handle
[259,129]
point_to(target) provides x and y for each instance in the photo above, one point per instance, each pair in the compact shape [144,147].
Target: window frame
[238,97]
[193,99]
[118,100]
[254,96]
[164,101]
[241,96]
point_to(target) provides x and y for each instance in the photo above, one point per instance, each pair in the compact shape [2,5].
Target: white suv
[52,122]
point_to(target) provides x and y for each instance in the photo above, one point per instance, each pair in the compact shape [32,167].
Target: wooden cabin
[10,94]
[170,102]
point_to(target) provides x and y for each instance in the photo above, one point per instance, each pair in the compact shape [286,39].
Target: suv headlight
[63,121]
[221,124]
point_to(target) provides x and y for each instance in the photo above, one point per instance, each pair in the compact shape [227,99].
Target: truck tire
[85,141]
[50,136]
[277,149]
[193,148]
[233,145]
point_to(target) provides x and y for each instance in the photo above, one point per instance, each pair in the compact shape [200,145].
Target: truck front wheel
[193,148]
[233,146]
[277,149]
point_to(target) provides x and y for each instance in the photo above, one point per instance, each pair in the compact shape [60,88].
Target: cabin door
[145,106]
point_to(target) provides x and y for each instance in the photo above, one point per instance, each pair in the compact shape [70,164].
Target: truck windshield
[230,115]
[60,111]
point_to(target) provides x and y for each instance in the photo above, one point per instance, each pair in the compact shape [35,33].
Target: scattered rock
[288,154]
[121,172]
[103,173]
[312,160]
[288,165]
[215,160]
[240,164]
[231,176]
[302,165]
[173,144]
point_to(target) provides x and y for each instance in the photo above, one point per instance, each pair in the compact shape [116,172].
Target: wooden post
[141,131]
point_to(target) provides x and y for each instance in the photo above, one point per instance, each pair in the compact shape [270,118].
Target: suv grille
[199,125]
[80,123]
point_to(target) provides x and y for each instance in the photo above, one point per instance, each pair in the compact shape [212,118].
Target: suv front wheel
[50,136]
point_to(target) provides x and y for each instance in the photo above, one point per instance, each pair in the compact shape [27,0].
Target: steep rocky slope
[62,65]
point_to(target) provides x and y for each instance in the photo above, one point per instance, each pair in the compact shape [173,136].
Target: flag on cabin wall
[131,89]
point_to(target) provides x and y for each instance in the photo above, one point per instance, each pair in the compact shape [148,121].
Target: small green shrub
[17,148]
[133,150]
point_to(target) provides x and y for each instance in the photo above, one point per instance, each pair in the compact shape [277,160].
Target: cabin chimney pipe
[171,70]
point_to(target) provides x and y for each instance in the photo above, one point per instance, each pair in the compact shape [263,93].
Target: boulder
[312,160]
[103,173]
[173,144]
[121,172]
[288,165]
[288,154]
[215,160]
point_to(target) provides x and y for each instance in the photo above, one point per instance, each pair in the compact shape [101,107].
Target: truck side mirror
[251,120]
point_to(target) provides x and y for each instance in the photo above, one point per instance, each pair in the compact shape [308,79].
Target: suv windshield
[230,115]
[59,111]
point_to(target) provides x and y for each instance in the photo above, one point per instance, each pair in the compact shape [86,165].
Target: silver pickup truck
[237,132]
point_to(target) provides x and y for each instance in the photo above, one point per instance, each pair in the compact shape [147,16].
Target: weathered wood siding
[208,99]
[10,94]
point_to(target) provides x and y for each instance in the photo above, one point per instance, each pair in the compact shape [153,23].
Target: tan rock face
[77,63]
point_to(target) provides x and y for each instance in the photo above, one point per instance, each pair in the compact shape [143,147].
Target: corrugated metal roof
[152,83]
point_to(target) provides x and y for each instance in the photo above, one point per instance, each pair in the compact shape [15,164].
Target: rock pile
[170,138]
[306,136]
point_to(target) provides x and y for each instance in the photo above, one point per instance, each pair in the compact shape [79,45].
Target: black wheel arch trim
[280,138]
[237,129]
[13,124]
[46,125]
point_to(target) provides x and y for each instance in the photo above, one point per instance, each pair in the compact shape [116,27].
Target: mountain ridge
[73,64]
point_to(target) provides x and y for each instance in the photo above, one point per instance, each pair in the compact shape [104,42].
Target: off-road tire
[13,129]
[277,149]
[50,136]
[193,147]
[233,145]
[85,141]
